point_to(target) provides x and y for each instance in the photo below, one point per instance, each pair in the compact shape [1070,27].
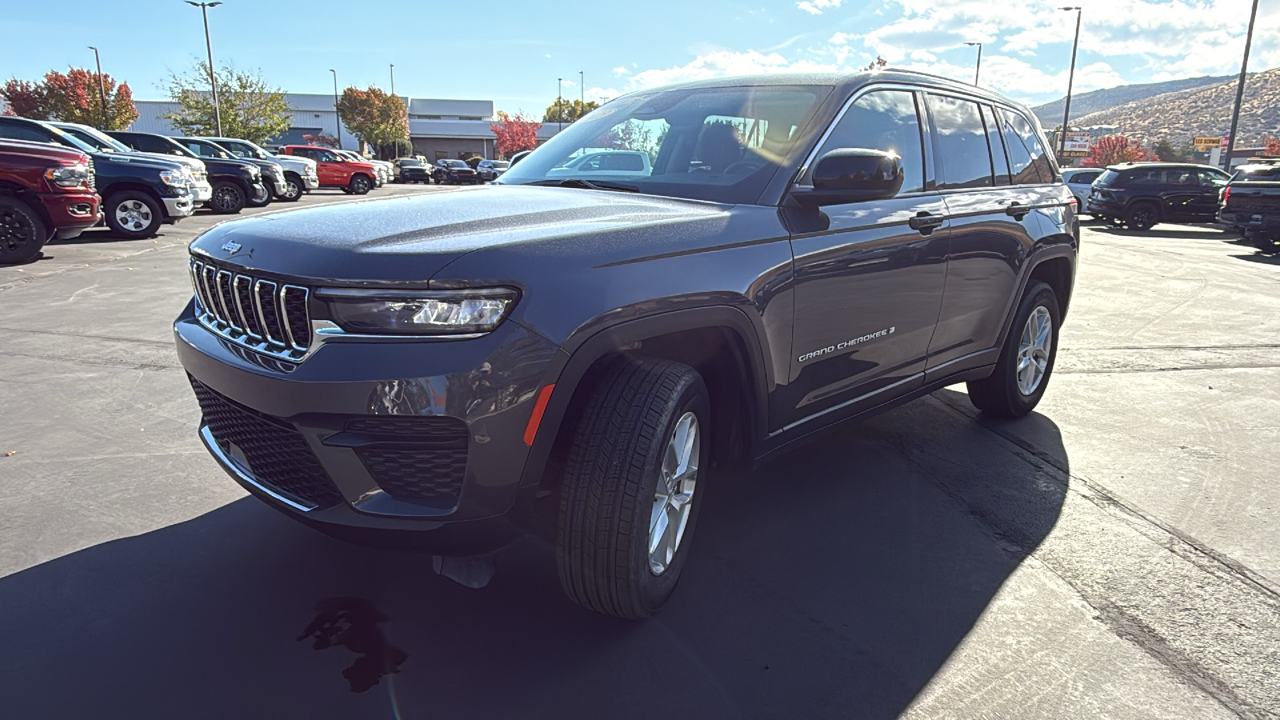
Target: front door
[869,275]
[328,167]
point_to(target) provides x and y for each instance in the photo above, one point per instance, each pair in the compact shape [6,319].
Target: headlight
[428,312]
[176,178]
[68,176]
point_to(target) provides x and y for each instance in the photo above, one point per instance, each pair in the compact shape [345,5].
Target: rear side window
[22,132]
[1144,176]
[1108,177]
[999,158]
[960,143]
[1084,178]
[882,120]
[1027,158]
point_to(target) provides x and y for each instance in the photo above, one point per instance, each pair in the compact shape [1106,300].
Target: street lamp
[1071,78]
[102,88]
[337,117]
[1244,68]
[208,46]
[559,104]
[977,70]
[582,89]
[393,79]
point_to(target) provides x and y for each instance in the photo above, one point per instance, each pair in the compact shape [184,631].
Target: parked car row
[447,171]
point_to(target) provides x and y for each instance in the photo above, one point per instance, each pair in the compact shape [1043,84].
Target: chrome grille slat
[258,314]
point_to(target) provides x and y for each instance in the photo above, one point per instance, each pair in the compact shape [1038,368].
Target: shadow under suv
[438,370]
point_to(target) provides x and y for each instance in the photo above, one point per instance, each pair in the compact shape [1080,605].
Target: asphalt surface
[1116,554]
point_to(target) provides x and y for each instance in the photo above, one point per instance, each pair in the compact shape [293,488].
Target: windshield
[242,148]
[95,139]
[500,164]
[453,163]
[70,140]
[410,163]
[1265,173]
[719,144]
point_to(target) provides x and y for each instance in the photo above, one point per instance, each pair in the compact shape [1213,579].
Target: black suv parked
[1139,195]
[272,173]
[1251,203]
[453,172]
[139,193]
[440,369]
[234,181]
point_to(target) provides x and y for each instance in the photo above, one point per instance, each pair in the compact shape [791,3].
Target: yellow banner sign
[1210,142]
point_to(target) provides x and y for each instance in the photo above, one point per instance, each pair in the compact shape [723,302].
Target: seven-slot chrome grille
[261,314]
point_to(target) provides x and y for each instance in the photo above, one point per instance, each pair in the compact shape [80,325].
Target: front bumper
[259,192]
[179,207]
[72,212]
[310,182]
[333,403]
[278,185]
[202,191]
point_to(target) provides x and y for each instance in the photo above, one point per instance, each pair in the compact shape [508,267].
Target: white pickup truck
[300,174]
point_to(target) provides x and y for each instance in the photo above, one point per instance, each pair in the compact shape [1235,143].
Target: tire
[611,478]
[228,198]
[1001,394]
[132,214]
[265,201]
[359,185]
[22,231]
[1142,216]
[293,188]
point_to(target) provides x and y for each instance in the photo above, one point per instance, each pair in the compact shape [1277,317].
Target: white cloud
[725,63]
[816,7]
[622,70]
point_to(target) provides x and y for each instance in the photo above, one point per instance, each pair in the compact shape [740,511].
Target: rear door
[869,275]
[1211,183]
[994,175]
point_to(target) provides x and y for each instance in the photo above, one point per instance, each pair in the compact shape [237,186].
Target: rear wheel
[1142,216]
[228,198]
[631,490]
[22,231]
[1026,360]
[134,214]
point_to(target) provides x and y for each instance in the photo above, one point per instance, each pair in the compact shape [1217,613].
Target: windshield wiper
[588,184]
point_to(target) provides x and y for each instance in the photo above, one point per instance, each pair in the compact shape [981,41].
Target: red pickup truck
[45,192]
[356,178]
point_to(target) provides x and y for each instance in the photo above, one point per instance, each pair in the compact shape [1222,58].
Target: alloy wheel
[133,215]
[16,230]
[673,499]
[1033,350]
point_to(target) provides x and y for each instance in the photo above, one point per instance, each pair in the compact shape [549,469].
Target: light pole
[208,46]
[102,88]
[337,117]
[559,104]
[582,89]
[1071,79]
[393,79]
[1244,68]
[977,70]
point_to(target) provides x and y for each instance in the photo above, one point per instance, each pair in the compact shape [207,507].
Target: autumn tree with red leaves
[1273,147]
[1115,149]
[375,117]
[515,133]
[74,96]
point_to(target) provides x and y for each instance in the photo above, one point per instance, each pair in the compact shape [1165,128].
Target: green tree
[572,110]
[251,109]
[1169,152]
[374,117]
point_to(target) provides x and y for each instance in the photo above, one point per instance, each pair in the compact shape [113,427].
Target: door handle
[926,222]
[1017,210]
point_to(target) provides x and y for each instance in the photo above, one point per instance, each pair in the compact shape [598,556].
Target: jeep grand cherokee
[805,250]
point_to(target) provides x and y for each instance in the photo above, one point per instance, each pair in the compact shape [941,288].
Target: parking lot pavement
[1114,555]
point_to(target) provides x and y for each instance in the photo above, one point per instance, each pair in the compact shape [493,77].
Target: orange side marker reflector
[539,407]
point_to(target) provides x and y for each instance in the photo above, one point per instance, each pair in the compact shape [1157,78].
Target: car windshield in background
[1263,173]
[410,163]
[718,144]
[454,163]
[103,142]
[500,164]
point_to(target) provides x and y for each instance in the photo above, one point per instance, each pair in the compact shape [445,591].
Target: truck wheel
[630,494]
[1141,216]
[134,214]
[228,198]
[1026,360]
[293,188]
[359,185]
[22,231]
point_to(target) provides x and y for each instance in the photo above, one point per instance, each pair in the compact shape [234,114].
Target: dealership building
[438,128]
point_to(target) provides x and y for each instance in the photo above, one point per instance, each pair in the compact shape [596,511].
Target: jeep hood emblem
[231,246]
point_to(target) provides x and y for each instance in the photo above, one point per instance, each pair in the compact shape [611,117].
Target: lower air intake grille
[278,455]
[425,458]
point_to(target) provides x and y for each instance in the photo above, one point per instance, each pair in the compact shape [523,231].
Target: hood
[294,161]
[193,163]
[409,239]
[56,153]
[140,160]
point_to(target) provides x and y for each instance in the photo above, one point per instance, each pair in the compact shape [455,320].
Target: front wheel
[1026,361]
[293,188]
[228,198]
[133,214]
[22,231]
[359,185]
[633,483]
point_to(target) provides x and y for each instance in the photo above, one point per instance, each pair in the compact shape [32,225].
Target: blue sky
[513,52]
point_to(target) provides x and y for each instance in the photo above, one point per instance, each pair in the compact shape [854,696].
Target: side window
[1027,158]
[881,120]
[324,156]
[1209,178]
[999,158]
[22,132]
[960,143]
[622,161]
[1181,177]
[1149,176]
[1084,178]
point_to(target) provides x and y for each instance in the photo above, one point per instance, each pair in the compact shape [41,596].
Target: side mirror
[846,175]
[518,157]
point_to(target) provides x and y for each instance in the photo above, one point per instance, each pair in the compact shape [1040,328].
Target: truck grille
[277,454]
[262,315]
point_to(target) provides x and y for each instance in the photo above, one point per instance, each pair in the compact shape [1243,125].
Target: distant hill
[1188,112]
[1050,114]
